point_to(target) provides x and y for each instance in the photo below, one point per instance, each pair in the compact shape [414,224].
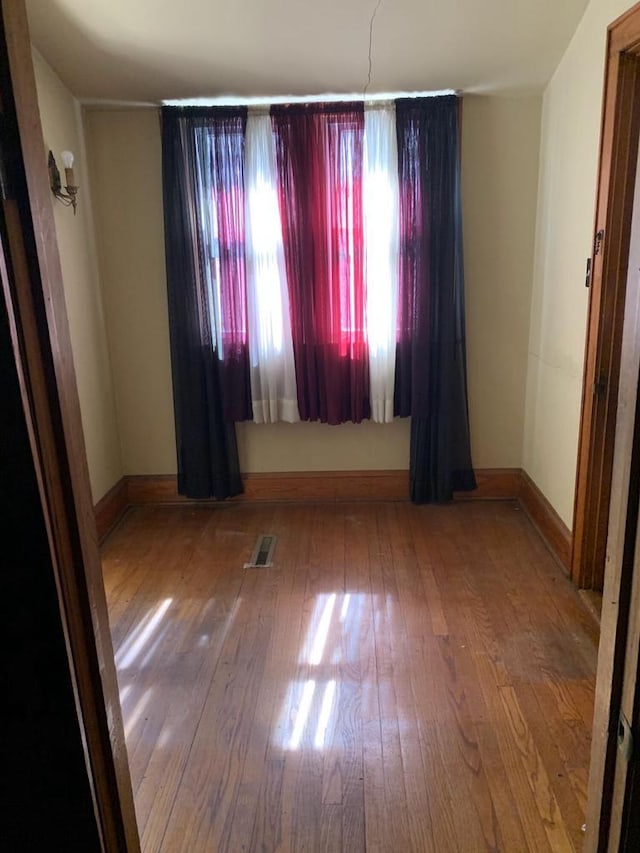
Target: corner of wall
[62,127]
[95,263]
[570,133]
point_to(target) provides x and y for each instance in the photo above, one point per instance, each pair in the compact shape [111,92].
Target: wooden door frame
[620,131]
[608,485]
[630,818]
[35,302]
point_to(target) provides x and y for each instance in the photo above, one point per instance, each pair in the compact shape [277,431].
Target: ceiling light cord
[373,17]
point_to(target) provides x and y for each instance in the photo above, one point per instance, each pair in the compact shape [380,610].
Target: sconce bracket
[66,196]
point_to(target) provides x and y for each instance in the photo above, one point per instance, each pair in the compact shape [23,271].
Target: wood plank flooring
[403,678]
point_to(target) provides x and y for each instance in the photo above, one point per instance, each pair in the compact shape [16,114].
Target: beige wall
[500,143]
[62,129]
[320,447]
[568,169]
[124,160]
[500,156]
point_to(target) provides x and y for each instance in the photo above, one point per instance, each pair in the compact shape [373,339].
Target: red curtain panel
[319,154]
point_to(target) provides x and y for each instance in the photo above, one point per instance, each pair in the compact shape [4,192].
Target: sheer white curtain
[273,377]
[381,239]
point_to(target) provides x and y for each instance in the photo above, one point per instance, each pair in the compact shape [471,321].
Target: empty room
[320,346]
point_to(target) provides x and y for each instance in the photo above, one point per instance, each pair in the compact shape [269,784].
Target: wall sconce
[67,197]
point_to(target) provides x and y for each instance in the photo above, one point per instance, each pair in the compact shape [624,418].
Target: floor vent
[262,555]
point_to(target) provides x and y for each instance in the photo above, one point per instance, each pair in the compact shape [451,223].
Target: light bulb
[67,159]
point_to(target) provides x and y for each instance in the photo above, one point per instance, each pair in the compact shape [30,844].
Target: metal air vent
[262,555]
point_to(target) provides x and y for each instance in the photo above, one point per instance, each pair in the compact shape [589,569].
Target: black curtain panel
[431,382]
[205,435]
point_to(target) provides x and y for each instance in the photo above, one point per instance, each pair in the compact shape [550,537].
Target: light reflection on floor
[313,694]
[134,716]
[128,652]
[331,639]
[146,647]
[136,652]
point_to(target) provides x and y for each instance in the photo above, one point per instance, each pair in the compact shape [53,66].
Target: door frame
[620,130]
[606,518]
[630,820]
[35,303]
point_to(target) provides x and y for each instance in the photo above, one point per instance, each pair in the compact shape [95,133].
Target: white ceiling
[150,50]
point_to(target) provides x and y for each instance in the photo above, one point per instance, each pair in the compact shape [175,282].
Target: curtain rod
[329,97]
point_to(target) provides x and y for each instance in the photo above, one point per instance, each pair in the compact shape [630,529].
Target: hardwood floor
[403,678]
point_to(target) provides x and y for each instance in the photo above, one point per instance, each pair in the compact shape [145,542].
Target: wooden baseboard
[153,489]
[549,524]
[493,484]
[327,485]
[110,508]
[592,600]
[286,486]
